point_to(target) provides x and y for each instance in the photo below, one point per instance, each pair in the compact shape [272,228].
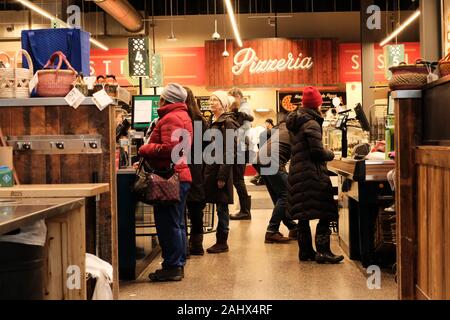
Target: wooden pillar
[408,106]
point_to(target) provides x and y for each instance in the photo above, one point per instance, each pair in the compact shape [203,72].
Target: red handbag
[156,187]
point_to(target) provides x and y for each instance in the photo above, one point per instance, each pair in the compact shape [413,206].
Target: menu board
[291,101]
[205,107]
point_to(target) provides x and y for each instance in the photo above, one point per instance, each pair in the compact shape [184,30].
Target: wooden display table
[66,246]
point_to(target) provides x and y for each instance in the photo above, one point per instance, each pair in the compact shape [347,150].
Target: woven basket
[409,76]
[444,66]
[56,82]
[14,82]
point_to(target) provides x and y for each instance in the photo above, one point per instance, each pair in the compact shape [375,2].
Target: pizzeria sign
[247,59]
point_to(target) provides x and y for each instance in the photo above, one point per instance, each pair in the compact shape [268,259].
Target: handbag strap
[446,58]
[4,54]
[28,57]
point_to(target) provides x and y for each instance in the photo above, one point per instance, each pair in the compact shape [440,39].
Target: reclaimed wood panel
[446,212]
[422,232]
[433,239]
[407,137]
[436,233]
[323,51]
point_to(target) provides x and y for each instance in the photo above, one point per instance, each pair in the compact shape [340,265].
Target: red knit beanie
[312,99]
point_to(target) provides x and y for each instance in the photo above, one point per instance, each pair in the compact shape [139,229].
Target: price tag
[74,98]
[102,99]
[33,82]
[90,81]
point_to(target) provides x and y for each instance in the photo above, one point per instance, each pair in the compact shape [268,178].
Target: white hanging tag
[102,99]
[432,77]
[33,82]
[74,98]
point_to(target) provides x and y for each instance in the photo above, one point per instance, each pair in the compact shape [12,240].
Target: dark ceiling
[195,7]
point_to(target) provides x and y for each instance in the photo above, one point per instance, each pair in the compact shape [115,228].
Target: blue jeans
[277,187]
[171,229]
[223,226]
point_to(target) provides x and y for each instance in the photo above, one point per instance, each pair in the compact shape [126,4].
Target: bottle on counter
[6,177]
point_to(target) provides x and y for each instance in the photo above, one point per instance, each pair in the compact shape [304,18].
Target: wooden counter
[362,187]
[53,117]
[55,190]
[65,245]
[371,170]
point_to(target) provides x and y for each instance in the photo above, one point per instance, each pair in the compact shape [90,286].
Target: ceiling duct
[124,13]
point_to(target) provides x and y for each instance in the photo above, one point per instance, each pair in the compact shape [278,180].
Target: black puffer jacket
[310,190]
[221,171]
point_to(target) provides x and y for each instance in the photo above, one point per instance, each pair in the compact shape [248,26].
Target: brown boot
[275,237]
[221,243]
[196,245]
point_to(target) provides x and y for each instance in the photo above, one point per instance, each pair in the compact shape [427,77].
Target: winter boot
[306,251]
[244,213]
[196,245]
[324,254]
[221,243]
[275,237]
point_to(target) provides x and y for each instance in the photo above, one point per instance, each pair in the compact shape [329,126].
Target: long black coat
[221,171]
[310,193]
[197,190]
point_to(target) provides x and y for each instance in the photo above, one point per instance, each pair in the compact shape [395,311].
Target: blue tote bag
[42,43]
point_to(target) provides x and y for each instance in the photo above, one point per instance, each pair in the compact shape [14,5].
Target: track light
[233,22]
[401,28]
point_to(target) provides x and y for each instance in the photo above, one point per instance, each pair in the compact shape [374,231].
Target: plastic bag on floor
[103,272]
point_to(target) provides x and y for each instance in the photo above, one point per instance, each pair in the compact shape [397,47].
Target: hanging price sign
[138,57]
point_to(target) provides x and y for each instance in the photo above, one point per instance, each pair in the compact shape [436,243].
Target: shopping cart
[145,220]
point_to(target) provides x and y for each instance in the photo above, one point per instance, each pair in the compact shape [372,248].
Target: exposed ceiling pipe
[124,13]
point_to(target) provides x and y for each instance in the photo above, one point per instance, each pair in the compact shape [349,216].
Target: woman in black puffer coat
[310,190]
[196,200]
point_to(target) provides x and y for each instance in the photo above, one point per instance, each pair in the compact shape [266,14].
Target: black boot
[196,245]
[221,243]
[244,213]
[324,254]
[306,251]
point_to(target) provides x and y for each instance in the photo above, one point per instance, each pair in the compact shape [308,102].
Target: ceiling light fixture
[172,36]
[49,16]
[401,28]
[225,53]
[215,35]
[233,22]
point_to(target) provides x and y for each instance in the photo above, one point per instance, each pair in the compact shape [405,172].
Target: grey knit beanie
[174,93]
[223,98]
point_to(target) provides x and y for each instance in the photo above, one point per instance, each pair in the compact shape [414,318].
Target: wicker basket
[14,82]
[409,77]
[56,82]
[444,66]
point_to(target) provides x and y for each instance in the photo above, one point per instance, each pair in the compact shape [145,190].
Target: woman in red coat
[173,129]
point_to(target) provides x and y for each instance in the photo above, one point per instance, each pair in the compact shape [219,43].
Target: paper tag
[90,81]
[33,82]
[432,77]
[74,98]
[102,99]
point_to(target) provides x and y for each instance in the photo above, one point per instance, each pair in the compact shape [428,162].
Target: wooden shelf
[35,102]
